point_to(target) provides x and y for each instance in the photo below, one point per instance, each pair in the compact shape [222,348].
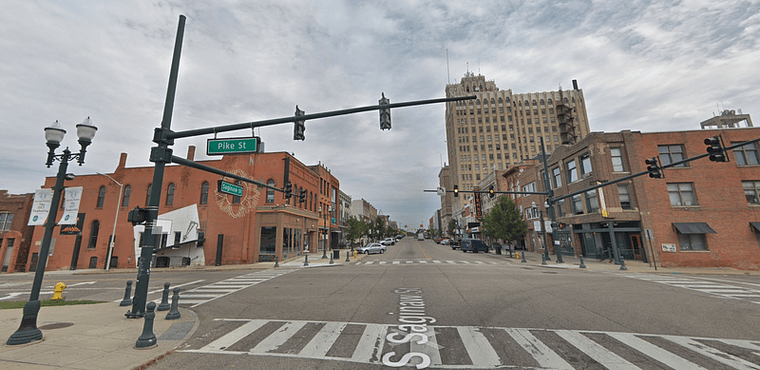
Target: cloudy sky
[643,65]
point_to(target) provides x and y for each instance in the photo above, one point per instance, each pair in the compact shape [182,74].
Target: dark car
[473,245]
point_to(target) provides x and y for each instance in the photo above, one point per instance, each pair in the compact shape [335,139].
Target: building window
[204,193]
[6,219]
[577,204]
[94,229]
[101,197]
[592,201]
[585,165]
[682,194]
[572,172]
[692,242]
[127,194]
[617,160]
[170,194]
[624,193]
[560,208]
[671,154]
[751,191]
[746,155]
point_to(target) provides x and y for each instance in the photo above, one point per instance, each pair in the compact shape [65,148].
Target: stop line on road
[463,347]
[426,262]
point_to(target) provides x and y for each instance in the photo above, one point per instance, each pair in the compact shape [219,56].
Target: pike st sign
[233,146]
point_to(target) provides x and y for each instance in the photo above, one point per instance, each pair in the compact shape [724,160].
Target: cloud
[642,65]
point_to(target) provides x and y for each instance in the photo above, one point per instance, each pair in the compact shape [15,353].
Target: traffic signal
[299,126]
[653,168]
[137,216]
[302,196]
[288,190]
[385,113]
[490,191]
[715,148]
[456,191]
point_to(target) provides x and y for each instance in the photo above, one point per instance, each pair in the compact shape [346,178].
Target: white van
[421,237]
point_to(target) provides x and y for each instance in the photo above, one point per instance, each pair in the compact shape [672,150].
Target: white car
[388,241]
[371,248]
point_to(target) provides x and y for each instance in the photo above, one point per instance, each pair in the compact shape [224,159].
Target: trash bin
[336,254]
[498,248]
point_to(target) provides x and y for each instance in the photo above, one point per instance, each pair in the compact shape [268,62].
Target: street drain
[58,325]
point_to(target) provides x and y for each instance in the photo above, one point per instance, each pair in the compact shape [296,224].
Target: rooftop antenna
[448,76]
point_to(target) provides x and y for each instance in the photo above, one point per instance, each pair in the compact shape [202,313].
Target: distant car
[473,245]
[445,241]
[388,241]
[421,237]
[371,248]
[399,237]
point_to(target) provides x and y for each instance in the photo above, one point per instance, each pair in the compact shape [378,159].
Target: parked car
[388,241]
[454,243]
[371,248]
[473,245]
[445,241]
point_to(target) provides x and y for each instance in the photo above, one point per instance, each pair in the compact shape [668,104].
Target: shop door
[638,252]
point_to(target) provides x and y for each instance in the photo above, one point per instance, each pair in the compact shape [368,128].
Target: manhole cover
[57,325]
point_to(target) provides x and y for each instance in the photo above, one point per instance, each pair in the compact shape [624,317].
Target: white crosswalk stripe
[207,293]
[726,289]
[427,262]
[370,342]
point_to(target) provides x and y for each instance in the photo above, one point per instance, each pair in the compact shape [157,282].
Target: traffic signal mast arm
[276,121]
[203,167]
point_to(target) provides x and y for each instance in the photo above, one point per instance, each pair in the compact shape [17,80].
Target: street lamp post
[113,234]
[28,331]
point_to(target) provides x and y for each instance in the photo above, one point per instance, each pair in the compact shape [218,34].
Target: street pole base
[134,315]
[27,332]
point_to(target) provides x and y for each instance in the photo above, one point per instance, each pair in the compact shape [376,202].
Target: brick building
[15,236]
[200,225]
[700,214]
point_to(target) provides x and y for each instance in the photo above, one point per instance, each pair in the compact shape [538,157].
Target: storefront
[284,233]
[611,240]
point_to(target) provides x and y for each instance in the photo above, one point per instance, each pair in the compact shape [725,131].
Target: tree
[504,221]
[451,227]
[356,228]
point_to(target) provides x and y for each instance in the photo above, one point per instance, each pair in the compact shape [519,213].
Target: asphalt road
[425,305]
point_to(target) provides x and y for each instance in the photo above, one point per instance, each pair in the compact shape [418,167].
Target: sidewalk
[99,336]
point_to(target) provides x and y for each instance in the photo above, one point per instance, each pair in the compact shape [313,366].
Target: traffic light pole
[162,154]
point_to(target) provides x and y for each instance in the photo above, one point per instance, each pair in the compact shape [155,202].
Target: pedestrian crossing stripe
[207,293]
[316,340]
[725,290]
[426,262]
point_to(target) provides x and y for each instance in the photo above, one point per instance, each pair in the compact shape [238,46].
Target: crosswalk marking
[207,293]
[726,289]
[314,340]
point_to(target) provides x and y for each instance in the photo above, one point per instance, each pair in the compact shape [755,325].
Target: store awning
[756,225]
[693,228]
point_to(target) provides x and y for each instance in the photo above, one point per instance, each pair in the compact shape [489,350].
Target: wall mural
[248,201]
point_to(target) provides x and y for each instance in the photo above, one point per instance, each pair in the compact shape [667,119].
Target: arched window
[550,102]
[501,101]
[101,196]
[542,102]
[170,194]
[127,194]
[508,100]
[566,101]
[204,193]
[534,102]
[477,102]
[493,102]
[311,201]
[94,229]
[270,192]
[147,194]
[527,103]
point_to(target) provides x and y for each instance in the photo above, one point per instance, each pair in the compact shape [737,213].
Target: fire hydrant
[58,290]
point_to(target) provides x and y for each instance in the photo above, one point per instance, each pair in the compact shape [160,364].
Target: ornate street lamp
[28,331]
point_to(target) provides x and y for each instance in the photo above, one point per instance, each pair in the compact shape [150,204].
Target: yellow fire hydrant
[58,290]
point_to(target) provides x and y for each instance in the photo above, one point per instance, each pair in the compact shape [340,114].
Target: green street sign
[231,189]
[233,146]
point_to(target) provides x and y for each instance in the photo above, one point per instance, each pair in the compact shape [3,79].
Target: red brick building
[15,236]
[700,214]
[200,225]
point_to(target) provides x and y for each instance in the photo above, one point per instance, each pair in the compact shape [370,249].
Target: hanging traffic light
[288,190]
[490,191]
[299,126]
[456,191]
[715,148]
[653,168]
[302,196]
[385,113]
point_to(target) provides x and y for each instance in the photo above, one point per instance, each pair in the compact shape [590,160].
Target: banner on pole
[40,207]
[71,199]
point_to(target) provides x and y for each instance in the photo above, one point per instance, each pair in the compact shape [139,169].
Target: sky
[642,65]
